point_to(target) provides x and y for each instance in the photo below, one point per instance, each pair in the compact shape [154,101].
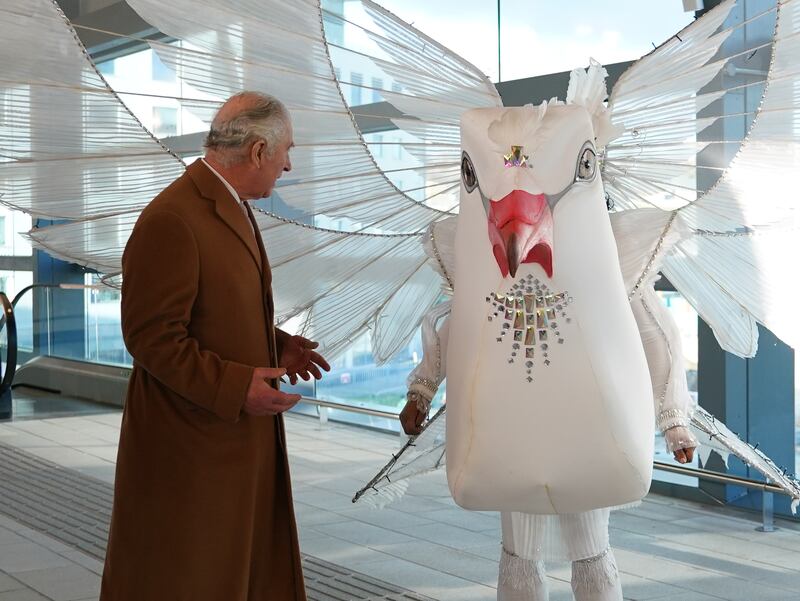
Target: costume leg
[594,571]
[522,575]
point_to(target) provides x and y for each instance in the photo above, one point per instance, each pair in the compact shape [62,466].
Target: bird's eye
[587,164]
[468,173]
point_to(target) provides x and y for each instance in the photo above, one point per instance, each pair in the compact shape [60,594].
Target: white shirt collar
[224,181]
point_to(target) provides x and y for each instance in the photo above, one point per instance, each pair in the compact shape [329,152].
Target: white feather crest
[587,88]
[517,126]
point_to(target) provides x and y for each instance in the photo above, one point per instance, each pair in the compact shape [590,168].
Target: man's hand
[300,360]
[411,418]
[263,399]
[684,455]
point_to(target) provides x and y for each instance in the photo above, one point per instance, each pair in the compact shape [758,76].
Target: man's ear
[257,151]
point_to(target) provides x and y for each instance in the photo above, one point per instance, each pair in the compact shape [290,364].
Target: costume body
[529,539]
[202,505]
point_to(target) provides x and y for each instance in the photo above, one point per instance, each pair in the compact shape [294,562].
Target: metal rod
[694,472]
[658,465]
[499,76]
[767,513]
[350,408]
[715,477]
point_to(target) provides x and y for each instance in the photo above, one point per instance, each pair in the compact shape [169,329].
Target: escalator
[8,359]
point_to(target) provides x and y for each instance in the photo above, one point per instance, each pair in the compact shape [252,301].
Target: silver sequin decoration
[531,317]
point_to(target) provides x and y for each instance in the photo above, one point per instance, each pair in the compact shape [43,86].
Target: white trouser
[526,539]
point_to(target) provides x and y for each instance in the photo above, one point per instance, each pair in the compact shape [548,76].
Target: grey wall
[544,87]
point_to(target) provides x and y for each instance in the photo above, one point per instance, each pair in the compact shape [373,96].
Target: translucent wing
[713,435]
[346,172]
[434,87]
[708,131]
[656,104]
[366,271]
[378,280]
[69,149]
[422,454]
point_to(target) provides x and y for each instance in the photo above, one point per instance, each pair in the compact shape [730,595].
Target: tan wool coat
[202,499]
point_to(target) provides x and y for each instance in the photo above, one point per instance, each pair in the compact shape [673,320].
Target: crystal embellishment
[530,317]
[516,158]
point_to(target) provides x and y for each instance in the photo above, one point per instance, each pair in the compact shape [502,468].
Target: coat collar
[212,188]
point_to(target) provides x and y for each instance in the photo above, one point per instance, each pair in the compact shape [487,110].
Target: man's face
[270,168]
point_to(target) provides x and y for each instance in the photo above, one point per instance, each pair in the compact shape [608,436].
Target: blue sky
[544,36]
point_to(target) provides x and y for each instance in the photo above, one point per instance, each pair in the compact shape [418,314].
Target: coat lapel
[266,283]
[262,251]
[212,188]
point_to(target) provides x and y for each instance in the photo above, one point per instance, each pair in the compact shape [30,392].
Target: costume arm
[425,379]
[662,346]
[160,275]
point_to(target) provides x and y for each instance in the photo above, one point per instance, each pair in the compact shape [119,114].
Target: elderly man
[202,504]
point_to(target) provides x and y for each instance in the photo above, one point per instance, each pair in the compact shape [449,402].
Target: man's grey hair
[263,118]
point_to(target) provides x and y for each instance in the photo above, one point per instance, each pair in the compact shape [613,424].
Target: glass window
[160,71]
[334,27]
[357,79]
[356,379]
[106,67]
[12,225]
[104,343]
[540,37]
[165,121]
[377,86]
[141,80]
[12,282]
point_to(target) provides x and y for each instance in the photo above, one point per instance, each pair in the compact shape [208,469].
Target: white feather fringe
[386,495]
[595,573]
[587,88]
[520,574]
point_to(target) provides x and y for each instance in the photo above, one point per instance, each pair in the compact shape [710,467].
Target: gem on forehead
[516,158]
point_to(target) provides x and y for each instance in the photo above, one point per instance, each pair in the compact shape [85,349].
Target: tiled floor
[666,549]
[33,403]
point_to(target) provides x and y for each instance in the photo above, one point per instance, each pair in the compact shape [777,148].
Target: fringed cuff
[595,573]
[679,437]
[520,574]
[421,391]
[670,418]
[422,402]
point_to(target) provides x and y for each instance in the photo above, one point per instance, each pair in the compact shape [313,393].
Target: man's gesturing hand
[263,399]
[300,359]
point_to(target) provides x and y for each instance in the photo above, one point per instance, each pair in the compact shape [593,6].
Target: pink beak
[521,231]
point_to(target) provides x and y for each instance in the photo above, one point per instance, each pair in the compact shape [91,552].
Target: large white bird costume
[541,325]
[544,358]
[532,184]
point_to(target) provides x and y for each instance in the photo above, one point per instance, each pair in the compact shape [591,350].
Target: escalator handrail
[10,322]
